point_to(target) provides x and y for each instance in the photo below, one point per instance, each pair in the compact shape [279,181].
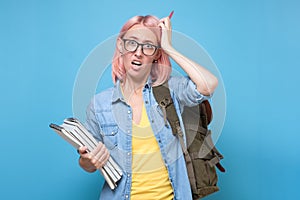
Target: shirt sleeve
[185,91]
[91,121]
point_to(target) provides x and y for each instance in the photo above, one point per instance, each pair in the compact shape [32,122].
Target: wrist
[170,50]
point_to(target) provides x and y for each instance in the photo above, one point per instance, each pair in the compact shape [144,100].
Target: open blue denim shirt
[109,119]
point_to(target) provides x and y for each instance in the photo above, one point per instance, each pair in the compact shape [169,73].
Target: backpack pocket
[205,174]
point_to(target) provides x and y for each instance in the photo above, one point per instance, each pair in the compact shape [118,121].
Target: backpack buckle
[163,104]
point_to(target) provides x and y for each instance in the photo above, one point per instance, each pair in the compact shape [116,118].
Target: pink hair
[160,71]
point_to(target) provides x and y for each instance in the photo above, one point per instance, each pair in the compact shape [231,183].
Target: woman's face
[139,49]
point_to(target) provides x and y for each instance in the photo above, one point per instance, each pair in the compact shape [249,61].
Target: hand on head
[166,33]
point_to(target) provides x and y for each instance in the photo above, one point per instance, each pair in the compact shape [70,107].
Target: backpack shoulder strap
[164,99]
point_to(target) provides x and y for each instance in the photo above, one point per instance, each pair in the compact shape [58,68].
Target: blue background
[255,45]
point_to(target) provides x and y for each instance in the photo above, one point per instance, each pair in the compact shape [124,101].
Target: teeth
[136,63]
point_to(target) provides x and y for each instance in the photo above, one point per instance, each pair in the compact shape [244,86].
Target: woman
[129,122]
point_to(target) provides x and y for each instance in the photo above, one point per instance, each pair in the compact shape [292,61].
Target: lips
[136,62]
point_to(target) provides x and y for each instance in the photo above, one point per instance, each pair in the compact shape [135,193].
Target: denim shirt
[109,119]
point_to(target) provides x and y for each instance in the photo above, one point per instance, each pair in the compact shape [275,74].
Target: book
[75,133]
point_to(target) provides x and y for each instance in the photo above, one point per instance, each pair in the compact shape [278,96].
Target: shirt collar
[117,92]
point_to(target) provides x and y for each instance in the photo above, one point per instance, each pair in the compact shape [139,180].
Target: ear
[158,54]
[120,45]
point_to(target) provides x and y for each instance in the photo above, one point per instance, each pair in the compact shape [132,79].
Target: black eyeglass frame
[140,44]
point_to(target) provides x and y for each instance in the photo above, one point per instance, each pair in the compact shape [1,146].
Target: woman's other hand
[95,159]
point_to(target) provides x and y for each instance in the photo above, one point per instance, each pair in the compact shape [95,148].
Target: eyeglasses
[147,49]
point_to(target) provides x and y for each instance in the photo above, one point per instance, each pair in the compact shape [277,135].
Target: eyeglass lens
[132,45]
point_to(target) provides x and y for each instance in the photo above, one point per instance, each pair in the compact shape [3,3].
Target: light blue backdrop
[255,45]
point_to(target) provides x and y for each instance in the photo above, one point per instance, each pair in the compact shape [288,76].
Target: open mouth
[137,63]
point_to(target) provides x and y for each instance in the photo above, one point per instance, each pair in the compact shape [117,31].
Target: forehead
[141,33]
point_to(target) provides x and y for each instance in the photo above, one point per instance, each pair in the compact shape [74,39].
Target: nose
[138,51]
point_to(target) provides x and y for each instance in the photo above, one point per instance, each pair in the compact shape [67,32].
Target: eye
[148,46]
[132,42]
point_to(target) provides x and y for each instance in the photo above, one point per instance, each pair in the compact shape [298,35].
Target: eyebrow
[145,41]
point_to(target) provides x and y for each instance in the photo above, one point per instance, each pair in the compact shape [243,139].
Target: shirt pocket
[110,135]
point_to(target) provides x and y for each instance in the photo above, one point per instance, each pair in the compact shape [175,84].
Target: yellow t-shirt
[150,179]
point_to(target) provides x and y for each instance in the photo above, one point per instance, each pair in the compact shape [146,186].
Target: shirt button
[146,102]
[129,111]
[128,175]
[128,154]
[126,196]
[152,121]
[128,131]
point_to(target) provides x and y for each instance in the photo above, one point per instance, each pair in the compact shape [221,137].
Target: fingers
[166,34]
[165,23]
[100,155]
[82,150]
[162,25]
[97,158]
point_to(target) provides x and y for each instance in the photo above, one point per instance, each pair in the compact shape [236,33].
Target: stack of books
[74,132]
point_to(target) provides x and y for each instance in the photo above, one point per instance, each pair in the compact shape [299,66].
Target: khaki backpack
[200,154]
